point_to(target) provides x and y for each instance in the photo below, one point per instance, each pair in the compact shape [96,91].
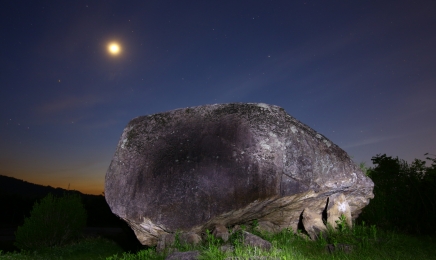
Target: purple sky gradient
[362,73]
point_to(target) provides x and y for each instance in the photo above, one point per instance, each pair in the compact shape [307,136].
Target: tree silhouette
[405,196]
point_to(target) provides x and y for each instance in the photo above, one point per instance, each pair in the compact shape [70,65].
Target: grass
[84,249]
[367,242]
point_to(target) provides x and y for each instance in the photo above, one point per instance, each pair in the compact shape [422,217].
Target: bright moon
[113,48]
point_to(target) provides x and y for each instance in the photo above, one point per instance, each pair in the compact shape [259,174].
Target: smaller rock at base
[267,226]
[189,238]
[255,241]
[313,223]
[235,229]
[165,241]
[222,232]
[189,255]
[338,206]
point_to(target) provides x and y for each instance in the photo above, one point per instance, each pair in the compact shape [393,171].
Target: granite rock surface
[192,169]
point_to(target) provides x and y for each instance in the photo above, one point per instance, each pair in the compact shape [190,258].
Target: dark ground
[17,198]
[123,236]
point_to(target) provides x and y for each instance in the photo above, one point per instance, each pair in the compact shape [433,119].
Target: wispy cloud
[371,140]
[69,103]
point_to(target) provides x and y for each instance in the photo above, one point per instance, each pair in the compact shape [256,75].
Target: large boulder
[193,169]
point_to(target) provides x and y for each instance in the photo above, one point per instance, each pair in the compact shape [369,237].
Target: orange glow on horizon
[85,187]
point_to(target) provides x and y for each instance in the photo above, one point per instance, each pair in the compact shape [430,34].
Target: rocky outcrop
[197,168]
[336,210]
[255,241]
[338,206]
[313,223]
[220,231]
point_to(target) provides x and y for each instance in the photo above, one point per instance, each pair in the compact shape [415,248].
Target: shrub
[405,196]
[55,221]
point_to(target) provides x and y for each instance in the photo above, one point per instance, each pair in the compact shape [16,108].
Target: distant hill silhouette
[17,198]
[26,189]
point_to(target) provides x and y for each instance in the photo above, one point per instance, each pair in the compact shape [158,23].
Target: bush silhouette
[405,196]
[55,221]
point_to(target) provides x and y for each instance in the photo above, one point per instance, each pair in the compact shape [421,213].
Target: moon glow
[114,48]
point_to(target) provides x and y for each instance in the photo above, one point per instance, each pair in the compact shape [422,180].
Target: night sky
[362,73]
